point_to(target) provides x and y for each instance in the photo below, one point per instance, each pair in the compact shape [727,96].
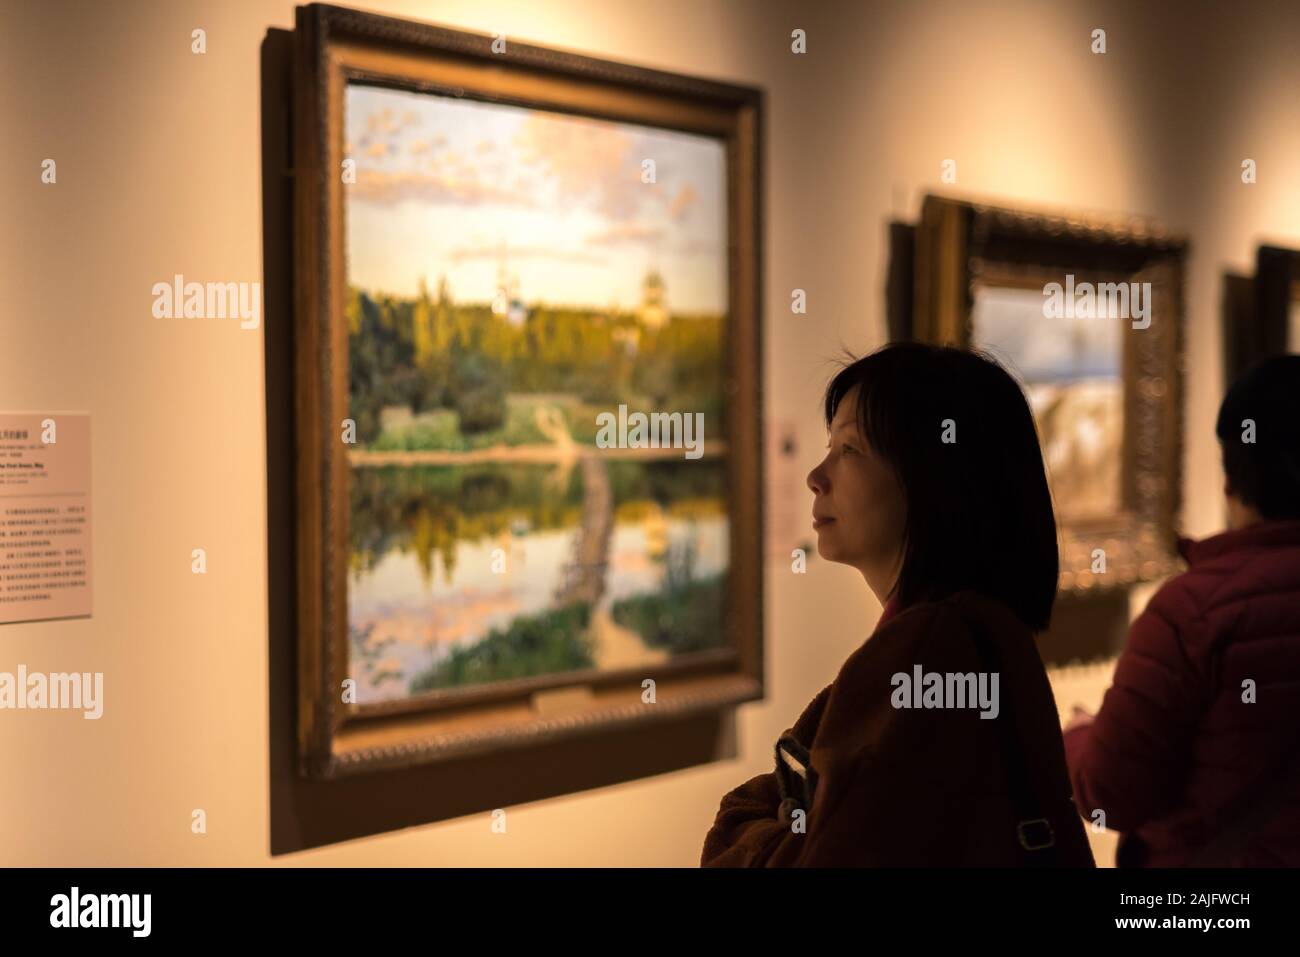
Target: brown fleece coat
[903,787]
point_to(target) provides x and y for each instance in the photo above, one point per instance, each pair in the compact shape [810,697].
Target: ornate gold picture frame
[1117,522]
[338,48]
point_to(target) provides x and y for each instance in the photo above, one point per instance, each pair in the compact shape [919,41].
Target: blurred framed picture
[1087,314]
[1261,313]
[527,358]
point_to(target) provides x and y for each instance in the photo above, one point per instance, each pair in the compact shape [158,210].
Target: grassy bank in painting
[685,615]
[552,642]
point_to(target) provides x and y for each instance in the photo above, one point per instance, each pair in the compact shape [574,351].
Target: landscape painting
[512,275]
[1071,370]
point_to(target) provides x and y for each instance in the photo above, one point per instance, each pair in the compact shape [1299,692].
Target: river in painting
[463,575]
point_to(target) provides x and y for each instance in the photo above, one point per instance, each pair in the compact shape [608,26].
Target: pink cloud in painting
[466,190]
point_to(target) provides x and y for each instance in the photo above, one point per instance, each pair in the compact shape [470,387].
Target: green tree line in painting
[431,354]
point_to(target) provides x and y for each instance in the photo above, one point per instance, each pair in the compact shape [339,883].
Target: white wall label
[45,557]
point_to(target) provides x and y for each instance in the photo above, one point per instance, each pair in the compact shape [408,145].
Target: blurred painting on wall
[512,274]
[1086,312]
[1071,369]
[1261,312]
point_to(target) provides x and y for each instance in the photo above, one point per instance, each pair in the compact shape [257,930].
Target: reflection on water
[445,557]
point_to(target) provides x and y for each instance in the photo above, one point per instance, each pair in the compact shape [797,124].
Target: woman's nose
[817,480]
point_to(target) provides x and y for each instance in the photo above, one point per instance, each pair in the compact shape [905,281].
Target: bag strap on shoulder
[1034,831]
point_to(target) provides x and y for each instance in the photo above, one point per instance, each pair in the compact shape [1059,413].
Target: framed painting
[1261,313]
[527,393]
[1087,313]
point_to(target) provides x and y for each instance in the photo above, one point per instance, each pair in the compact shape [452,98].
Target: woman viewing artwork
[938,743]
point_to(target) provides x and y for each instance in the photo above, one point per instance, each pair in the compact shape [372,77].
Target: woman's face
[859,509]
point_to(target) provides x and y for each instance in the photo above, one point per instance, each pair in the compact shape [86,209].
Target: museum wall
[159,173]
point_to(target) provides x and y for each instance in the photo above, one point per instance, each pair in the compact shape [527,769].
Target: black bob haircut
[1264,472]
[979,512]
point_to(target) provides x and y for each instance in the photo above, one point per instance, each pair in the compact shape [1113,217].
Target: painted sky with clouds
[442,182]
[1010,324]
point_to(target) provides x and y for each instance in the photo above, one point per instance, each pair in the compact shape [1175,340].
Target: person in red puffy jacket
[1194,756]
